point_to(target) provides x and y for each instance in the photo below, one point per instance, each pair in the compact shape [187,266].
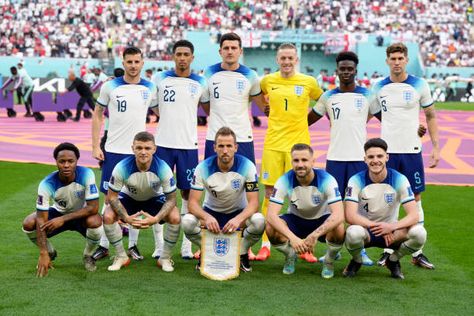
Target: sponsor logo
[221,246]
[214,83]
[336,192]
[119,96]
[383,96]
[93,189]
[274,88]
[335,103]
[167,87]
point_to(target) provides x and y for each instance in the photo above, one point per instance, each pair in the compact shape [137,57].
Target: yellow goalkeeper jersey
[289,100]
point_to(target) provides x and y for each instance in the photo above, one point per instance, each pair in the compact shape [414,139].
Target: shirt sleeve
[154,96]
[280,190]
[320,106]
[404,189]
[92,193]
[255,85]
[331,189]
[251,180]
[374,107]
[315,90]
[104,95]
[425,100]
[205,91]
[353,189]
[264,85]
[45,193]
[198,182]
[117,180]
[167,179]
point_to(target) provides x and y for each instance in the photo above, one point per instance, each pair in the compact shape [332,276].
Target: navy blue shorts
[245,149]
[411,166]
[303,227]
[185,161]
[378,241]
[77,225]
[110,161]
[222,218]
[342,171]
[151,206]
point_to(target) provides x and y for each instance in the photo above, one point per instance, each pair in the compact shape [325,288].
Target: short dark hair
[397,48]
[13,70]
[183,43]
[347,56]
[375,142]
[230,37]
[301,146]
[132,50]
[119,72]
[144,137]
[225,131]
[66,146]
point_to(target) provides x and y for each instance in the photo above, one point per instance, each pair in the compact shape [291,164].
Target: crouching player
[315,212]
[76,203]
[372,203]
[135,196]
[231,200]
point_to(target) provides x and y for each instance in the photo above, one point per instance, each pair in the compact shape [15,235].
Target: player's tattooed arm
[118,208]
[335,219]
[44,262]
[167,207]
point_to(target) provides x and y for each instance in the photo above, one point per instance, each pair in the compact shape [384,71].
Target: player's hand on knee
[389,239]
[212,225]
[381,228]
[299,245]
[231,226]
[310,242]
[52,224]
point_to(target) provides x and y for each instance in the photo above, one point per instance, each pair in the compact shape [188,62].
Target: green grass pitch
[142,288]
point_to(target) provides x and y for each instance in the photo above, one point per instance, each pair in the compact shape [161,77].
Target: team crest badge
[145,94]
[389,197]
[193,89]
[79,194]
[240,85]
[155,185]
[299,90]
[93,189]
[407,96]
[316,199]
[221,246]
[235,184]
[359,103]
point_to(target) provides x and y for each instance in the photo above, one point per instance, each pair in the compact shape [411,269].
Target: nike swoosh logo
[293,202]
[417,187]
[335,103]
[214,83]
[383,96]
[274,88]
[168,87]
[364,199]
[212,186]
[119,96]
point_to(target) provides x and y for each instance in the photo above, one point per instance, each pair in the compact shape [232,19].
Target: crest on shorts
[193,89]
[316,199]
[145,94]
[235,184]
[240,85]
[389,198]
[407,95]
[299,90]
[221,246]
[358,103]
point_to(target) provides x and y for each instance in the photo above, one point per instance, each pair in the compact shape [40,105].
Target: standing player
[135,195]
[230,88]
[231,200]
[315,212]
[179,94]
[289,94]
[399,98]
[349,107]
[76,203]
[127,100]
[372,206]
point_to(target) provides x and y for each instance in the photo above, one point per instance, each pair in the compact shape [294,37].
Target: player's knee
[337,234]
[109,217]
[417,234]
[174,218]
[188,223]
[355,234]
[257,223]
[93,221]
[29,223]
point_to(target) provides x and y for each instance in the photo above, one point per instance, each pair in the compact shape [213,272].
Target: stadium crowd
[54,28]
